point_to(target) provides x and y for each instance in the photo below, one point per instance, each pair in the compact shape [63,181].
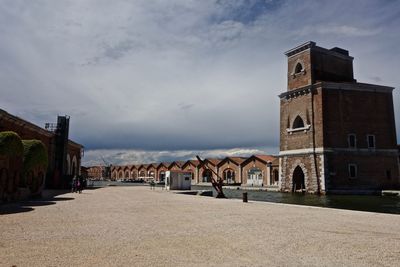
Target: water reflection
[383,204]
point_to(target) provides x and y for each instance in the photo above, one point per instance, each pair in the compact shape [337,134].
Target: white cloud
[339,30]
[178,74]
[124,156]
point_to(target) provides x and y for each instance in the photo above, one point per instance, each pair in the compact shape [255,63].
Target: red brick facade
[336,135]
[55,178]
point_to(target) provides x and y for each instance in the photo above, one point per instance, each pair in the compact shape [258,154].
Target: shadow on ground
[49,198]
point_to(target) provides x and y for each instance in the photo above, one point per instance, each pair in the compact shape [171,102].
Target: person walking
[73,185]
[80,184]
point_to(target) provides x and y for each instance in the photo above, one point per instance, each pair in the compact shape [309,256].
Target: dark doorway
[162,176]
[298,180]
[207,175]
[229,176]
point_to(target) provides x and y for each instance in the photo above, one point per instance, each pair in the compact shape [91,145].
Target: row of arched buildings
[337,135]
[257,170]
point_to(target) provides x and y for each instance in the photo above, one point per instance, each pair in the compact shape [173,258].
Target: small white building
[178,180]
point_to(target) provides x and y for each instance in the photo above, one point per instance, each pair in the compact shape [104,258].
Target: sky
[147,81]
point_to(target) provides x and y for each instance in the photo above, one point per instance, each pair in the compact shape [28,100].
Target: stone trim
[301,151]
[300,48]
[305,129]
[322,170]
[296,92]
[365,87]
[330,150]
[300,163]
[281,175]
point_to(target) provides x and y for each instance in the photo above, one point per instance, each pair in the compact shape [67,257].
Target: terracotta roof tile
[267,158]
[238,160]
[214,161]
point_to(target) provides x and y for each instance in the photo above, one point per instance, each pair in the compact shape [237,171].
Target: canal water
[383,204]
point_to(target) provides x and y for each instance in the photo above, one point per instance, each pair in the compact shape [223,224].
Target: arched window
[229,176]
[276,177]
[298,68]
[298,123]
[161,176]
[255,177]
[207,175]
[74,168]
[68,165]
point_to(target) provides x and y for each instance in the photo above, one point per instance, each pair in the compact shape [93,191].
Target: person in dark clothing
[73,184]
[80,184]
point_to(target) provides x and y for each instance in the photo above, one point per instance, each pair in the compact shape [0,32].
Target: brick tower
[336,135]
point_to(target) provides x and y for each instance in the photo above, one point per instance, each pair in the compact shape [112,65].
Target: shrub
[35,155]
[10,144]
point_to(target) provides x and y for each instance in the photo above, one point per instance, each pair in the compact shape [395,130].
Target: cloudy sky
[163,79]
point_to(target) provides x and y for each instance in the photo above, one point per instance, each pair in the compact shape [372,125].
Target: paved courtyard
[133,226]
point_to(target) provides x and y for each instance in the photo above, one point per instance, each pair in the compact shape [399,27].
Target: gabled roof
[178,163]
[266,158]
[131,167]
[194,162]
[236,160]
[126,167]
[152,165]
[263,158]
[213,161]
[165,164]
[143,166]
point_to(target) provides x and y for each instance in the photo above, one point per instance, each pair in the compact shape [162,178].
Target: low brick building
[230,169]
[191,166]
[95,172]
[64,155]
[161,169]
[205,170]
[133,172]
[257,170]
[260,170]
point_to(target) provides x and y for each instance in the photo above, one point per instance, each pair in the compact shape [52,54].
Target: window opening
[298,123]
[298,69]
[352,140]
[352,170]
[371,141]
[388,174]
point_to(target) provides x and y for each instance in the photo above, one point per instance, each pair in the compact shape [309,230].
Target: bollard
[244,196]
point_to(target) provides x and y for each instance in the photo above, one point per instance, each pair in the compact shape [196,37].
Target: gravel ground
[134,226]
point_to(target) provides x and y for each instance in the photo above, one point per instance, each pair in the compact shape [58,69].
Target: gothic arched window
[298,68]
[298,123]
